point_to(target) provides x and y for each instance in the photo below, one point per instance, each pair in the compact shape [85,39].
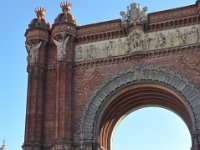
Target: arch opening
[132,98]
[152,128]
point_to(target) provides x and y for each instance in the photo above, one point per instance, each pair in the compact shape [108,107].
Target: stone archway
[135,88]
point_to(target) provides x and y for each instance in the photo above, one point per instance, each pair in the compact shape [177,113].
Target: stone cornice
[63,28]
[37,34]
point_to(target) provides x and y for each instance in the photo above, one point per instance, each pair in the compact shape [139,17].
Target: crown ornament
[40,12]
[66,6]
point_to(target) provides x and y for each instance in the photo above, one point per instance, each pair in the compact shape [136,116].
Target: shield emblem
[134,12]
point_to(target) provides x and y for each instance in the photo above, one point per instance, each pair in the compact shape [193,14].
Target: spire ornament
[66,6]
[40,22]
[65,16]
[40,13]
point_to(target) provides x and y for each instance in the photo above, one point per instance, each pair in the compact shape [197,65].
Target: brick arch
[171,84]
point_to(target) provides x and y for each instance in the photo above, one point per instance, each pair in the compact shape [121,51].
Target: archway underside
[133,98]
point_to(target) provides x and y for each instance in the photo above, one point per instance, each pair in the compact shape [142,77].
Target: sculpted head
[145,9]
[123,14]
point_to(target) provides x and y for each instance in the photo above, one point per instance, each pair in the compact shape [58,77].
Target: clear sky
[152,129]
[15,16]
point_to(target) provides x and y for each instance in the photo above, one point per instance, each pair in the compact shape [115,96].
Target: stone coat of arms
[134,15]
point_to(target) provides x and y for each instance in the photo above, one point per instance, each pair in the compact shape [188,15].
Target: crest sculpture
[134,15]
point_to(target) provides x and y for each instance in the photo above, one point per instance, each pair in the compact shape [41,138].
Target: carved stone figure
[146,42]
[85,52]
[160,41]
[143,15]
[135,39]
[90,52]
[193,35]
[61,47]
[79,55]
[124,17]
[170,40]
[109,49]
[181,37]
[33,51]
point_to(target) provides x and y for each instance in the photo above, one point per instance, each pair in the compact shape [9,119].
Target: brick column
[36,80]
[64,67]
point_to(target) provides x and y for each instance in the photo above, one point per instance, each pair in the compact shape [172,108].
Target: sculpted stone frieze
[137,40]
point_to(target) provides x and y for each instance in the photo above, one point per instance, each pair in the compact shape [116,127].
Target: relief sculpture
[160,41]
[61,47]
[138,41]
[135,39]
[33,51]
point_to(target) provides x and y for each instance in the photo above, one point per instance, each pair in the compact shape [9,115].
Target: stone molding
[139,74]
[36,34]
[63,28]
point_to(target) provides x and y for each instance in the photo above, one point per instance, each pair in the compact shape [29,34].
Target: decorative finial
[40,12]
[66,6]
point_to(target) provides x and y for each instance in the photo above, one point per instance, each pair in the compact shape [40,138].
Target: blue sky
[15,16]
[152,128]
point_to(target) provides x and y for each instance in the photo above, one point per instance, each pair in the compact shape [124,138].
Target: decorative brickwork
[83,79]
